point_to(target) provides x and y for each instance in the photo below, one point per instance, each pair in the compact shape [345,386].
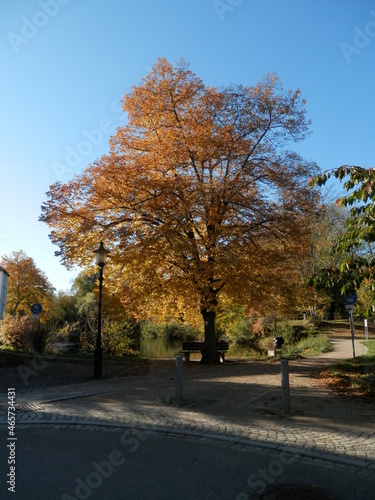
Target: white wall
[3,291]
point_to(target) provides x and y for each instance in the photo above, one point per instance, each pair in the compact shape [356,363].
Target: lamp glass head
[101,255]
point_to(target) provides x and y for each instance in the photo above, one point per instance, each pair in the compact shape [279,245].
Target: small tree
[27,283]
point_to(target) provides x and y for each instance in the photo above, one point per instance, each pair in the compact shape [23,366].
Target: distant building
[3,291]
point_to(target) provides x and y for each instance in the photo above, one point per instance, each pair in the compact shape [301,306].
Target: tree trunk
[209,353]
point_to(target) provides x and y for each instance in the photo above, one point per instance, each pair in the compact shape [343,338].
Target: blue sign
[350,300]
[36,308]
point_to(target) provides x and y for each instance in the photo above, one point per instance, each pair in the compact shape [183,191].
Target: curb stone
[58,421]
[306,456]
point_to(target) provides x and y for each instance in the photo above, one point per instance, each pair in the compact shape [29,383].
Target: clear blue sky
[66,63]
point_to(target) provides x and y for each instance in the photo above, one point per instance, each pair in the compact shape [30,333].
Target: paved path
[238,412]
[237,405]
[343,349]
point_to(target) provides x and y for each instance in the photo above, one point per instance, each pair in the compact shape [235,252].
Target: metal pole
[179,380]
[352,329]
[285,386]
[366,329]
[98,355]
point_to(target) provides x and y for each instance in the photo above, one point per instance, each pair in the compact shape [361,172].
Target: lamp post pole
[98,356]
[101,254]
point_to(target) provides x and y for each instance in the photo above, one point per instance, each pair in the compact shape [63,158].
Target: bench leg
[222,356]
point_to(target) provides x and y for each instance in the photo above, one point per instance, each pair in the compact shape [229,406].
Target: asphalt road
[80,464]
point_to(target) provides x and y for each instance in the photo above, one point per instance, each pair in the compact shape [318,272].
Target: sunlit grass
[370,344]
[355,377]
[308,347]
[246,352]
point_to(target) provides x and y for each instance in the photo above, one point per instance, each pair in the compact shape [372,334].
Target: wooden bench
[187,347]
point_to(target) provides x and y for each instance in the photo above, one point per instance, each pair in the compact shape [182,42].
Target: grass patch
[246,352]
[354,377]
[310,346]
[8,348]
[370,344]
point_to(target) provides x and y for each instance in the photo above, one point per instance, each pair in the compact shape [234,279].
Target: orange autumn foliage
[197,199]
[27,284]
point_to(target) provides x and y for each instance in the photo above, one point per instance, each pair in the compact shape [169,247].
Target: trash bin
[278,343]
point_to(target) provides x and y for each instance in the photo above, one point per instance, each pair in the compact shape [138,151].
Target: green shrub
[293,332]
[151,329]
[16,332]
[240,331]
[171,330]
[234,323]
[121,337]
[118,337]
[180,331]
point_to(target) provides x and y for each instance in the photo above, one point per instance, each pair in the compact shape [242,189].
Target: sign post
[349,306]
[36,309]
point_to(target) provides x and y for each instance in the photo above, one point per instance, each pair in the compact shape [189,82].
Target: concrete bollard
[179,380]
[285,386]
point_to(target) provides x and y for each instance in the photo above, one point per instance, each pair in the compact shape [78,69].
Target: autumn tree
[356,243]
[63,309]
[27,283]
[198,198]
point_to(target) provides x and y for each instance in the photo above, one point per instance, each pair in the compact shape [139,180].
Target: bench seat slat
[188,347]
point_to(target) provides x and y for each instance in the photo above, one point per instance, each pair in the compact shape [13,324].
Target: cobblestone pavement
[237,404]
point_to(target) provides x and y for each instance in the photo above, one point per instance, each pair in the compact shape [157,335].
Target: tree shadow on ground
[237,393]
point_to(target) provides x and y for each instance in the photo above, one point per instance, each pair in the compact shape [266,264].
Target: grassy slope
[308,347]
[352,377]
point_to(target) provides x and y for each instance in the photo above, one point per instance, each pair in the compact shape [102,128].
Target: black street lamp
[101,257]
